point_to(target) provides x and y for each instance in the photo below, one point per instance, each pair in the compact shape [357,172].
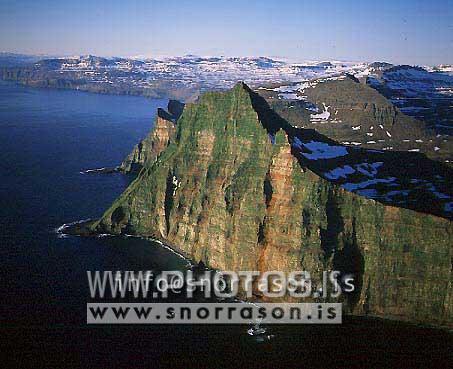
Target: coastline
[81,228]
[165,94]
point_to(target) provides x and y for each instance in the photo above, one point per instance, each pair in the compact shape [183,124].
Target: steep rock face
[355,114]
[424,95]
[358,105]
[229,191]
[158,139]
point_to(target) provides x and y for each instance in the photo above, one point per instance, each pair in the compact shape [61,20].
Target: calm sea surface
[46,138]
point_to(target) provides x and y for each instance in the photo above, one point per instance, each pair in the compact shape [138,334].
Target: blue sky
[410,31]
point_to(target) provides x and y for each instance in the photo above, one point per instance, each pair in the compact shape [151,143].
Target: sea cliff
[228,187]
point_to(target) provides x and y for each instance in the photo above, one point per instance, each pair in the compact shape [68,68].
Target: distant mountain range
[14,60]
[375,105]
[188,75]
[425,95]
[176,77]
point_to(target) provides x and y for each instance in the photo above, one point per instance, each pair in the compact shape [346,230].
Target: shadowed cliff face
[234,190]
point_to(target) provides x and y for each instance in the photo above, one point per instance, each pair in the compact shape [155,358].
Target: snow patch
[370,193]
[340,172]
[320,150]
[390,194]
[448,207]
[438,194]
[325,115]
[364,184]
[368,169]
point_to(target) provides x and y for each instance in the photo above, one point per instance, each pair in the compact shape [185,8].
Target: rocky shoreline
[235,186]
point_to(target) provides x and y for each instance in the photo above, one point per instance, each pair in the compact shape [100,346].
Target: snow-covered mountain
[423,93]
[204,73]
[191,70]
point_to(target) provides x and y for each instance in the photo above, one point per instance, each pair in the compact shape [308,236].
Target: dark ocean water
[46,138]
